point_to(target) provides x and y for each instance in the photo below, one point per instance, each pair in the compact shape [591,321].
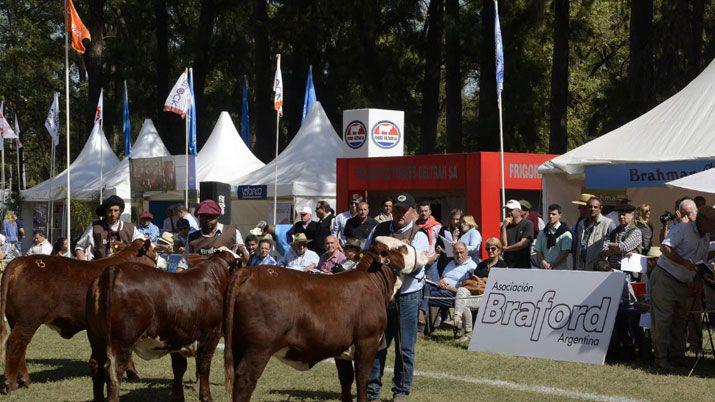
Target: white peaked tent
[96,156]
[116,181]
[306,169]
[703,182]
[680,129]
[225,157]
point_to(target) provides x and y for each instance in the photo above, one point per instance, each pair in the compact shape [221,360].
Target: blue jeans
[404,368]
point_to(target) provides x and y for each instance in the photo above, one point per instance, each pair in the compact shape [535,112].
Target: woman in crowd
[643,223]
[61,248]
[474,286]
[471,237]
[9,227]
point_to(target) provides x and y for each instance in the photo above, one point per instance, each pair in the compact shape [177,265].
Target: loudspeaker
[221,193]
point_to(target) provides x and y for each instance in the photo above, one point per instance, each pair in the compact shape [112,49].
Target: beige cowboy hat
[166,238]
[582,199]
[653,252]
[299,238]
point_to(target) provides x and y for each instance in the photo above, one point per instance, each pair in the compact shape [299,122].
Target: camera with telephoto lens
[667,216]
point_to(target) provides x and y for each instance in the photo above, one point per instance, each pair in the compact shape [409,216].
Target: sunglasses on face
[492,248]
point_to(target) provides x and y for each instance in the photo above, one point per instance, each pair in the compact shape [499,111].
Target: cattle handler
[96,240]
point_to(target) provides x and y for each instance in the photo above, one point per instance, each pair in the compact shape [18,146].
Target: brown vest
[103,236]
[207,245]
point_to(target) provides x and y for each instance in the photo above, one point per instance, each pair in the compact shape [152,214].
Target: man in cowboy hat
[147,228]
[96,240]
[582,210]
[212,234]
[299,257]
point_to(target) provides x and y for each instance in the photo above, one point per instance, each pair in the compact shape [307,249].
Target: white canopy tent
[672,140]
[147,145]
[306,170]
[703,182]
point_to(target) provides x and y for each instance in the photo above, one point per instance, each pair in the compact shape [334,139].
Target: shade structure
[703,182]
[147,145]
[306,167]
[96,156]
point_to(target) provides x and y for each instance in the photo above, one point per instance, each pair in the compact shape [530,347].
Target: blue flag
[245,124]
[310,96]
[499,50]
[127,124]
[192,134]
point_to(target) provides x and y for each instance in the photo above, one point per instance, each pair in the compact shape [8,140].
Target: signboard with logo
[558,315]
[630,175]
[373,132]
[249,192]
[152,174]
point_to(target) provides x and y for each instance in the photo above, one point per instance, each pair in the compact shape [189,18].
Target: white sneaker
[458,321]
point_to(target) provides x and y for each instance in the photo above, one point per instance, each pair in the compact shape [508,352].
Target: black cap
[625,208]
[110,201]
[356,198]
[403,200]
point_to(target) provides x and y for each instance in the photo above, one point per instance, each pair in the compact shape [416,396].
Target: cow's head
[401,258]
[231,258]
[142,249]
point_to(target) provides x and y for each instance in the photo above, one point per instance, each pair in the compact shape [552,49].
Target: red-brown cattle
[154,313]
[304,318]
[51,290]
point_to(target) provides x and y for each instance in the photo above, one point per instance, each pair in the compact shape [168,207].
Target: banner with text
[558,315]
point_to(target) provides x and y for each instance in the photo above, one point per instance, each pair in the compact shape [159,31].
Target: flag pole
[67,120]
[50,200]
[186,170]
[2,151]
[501,157]
[275,173]
[101,146]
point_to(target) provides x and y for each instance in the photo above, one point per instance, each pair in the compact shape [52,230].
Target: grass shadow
[307,395]
[61,369]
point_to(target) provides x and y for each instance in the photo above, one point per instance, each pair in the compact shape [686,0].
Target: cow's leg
[96,363]
[346,374]
[178,366]
[365,352]
[247,372]
[204,353]
[132,372]
[16,348]
[118,362]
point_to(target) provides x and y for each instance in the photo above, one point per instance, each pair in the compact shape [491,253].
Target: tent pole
[275,173]
[67,140]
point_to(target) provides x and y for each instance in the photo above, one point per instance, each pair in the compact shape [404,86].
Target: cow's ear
[403,249]
[147,245]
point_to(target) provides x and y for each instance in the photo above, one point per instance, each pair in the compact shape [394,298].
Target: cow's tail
[229,309]
[108,276]
[4,331]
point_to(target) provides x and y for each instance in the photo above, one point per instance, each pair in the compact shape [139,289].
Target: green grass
[59,371]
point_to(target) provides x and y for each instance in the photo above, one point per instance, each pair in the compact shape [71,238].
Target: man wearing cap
[528,213]
[212,234]
[591,233]
[307,226]
[342,219]
[401,227]
[686,244]
[582,210]
[299,257]
[96,240]
[360,225]
[147,228]
[517,234]
[625,238]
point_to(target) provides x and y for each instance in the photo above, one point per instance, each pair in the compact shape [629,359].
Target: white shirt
[44,248]
[689,244]
[339,225]
[455,273]
[193,224]
[298,262]
[86,242]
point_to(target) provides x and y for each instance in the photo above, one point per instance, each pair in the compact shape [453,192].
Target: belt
[671,276]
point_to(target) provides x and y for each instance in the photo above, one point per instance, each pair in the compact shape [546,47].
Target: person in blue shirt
[262,256]
[147,228]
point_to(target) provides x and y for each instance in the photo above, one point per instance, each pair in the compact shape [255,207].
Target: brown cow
[304,318]
[155,313]
[50,290]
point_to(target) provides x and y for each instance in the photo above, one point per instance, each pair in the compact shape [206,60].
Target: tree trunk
[263,118]
[453,79]
[93,58]
[488,119]
[558,138]
[203,65]
[430,85]
[640,69]
[695,47]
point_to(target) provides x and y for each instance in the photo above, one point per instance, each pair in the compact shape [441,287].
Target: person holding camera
[685,244]
[685,211]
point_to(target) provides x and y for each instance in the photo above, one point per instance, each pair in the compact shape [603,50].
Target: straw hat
[654,252]
[166,238]
[583,199]
[299,238]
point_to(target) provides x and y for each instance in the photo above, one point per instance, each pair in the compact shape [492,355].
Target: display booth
[469,181]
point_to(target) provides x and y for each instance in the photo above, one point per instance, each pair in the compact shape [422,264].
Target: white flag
[18,143]
[52,123]
[179,99]
[278,87]
[5,128]
[100,106]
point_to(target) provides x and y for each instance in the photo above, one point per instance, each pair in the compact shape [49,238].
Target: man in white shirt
[342,219]
[299,257]
[96,240]
[40,245]
[183,212]
[455,272]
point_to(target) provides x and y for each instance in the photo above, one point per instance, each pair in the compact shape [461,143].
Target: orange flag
[75,27]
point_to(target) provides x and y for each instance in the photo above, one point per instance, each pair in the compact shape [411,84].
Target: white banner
[558,315]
